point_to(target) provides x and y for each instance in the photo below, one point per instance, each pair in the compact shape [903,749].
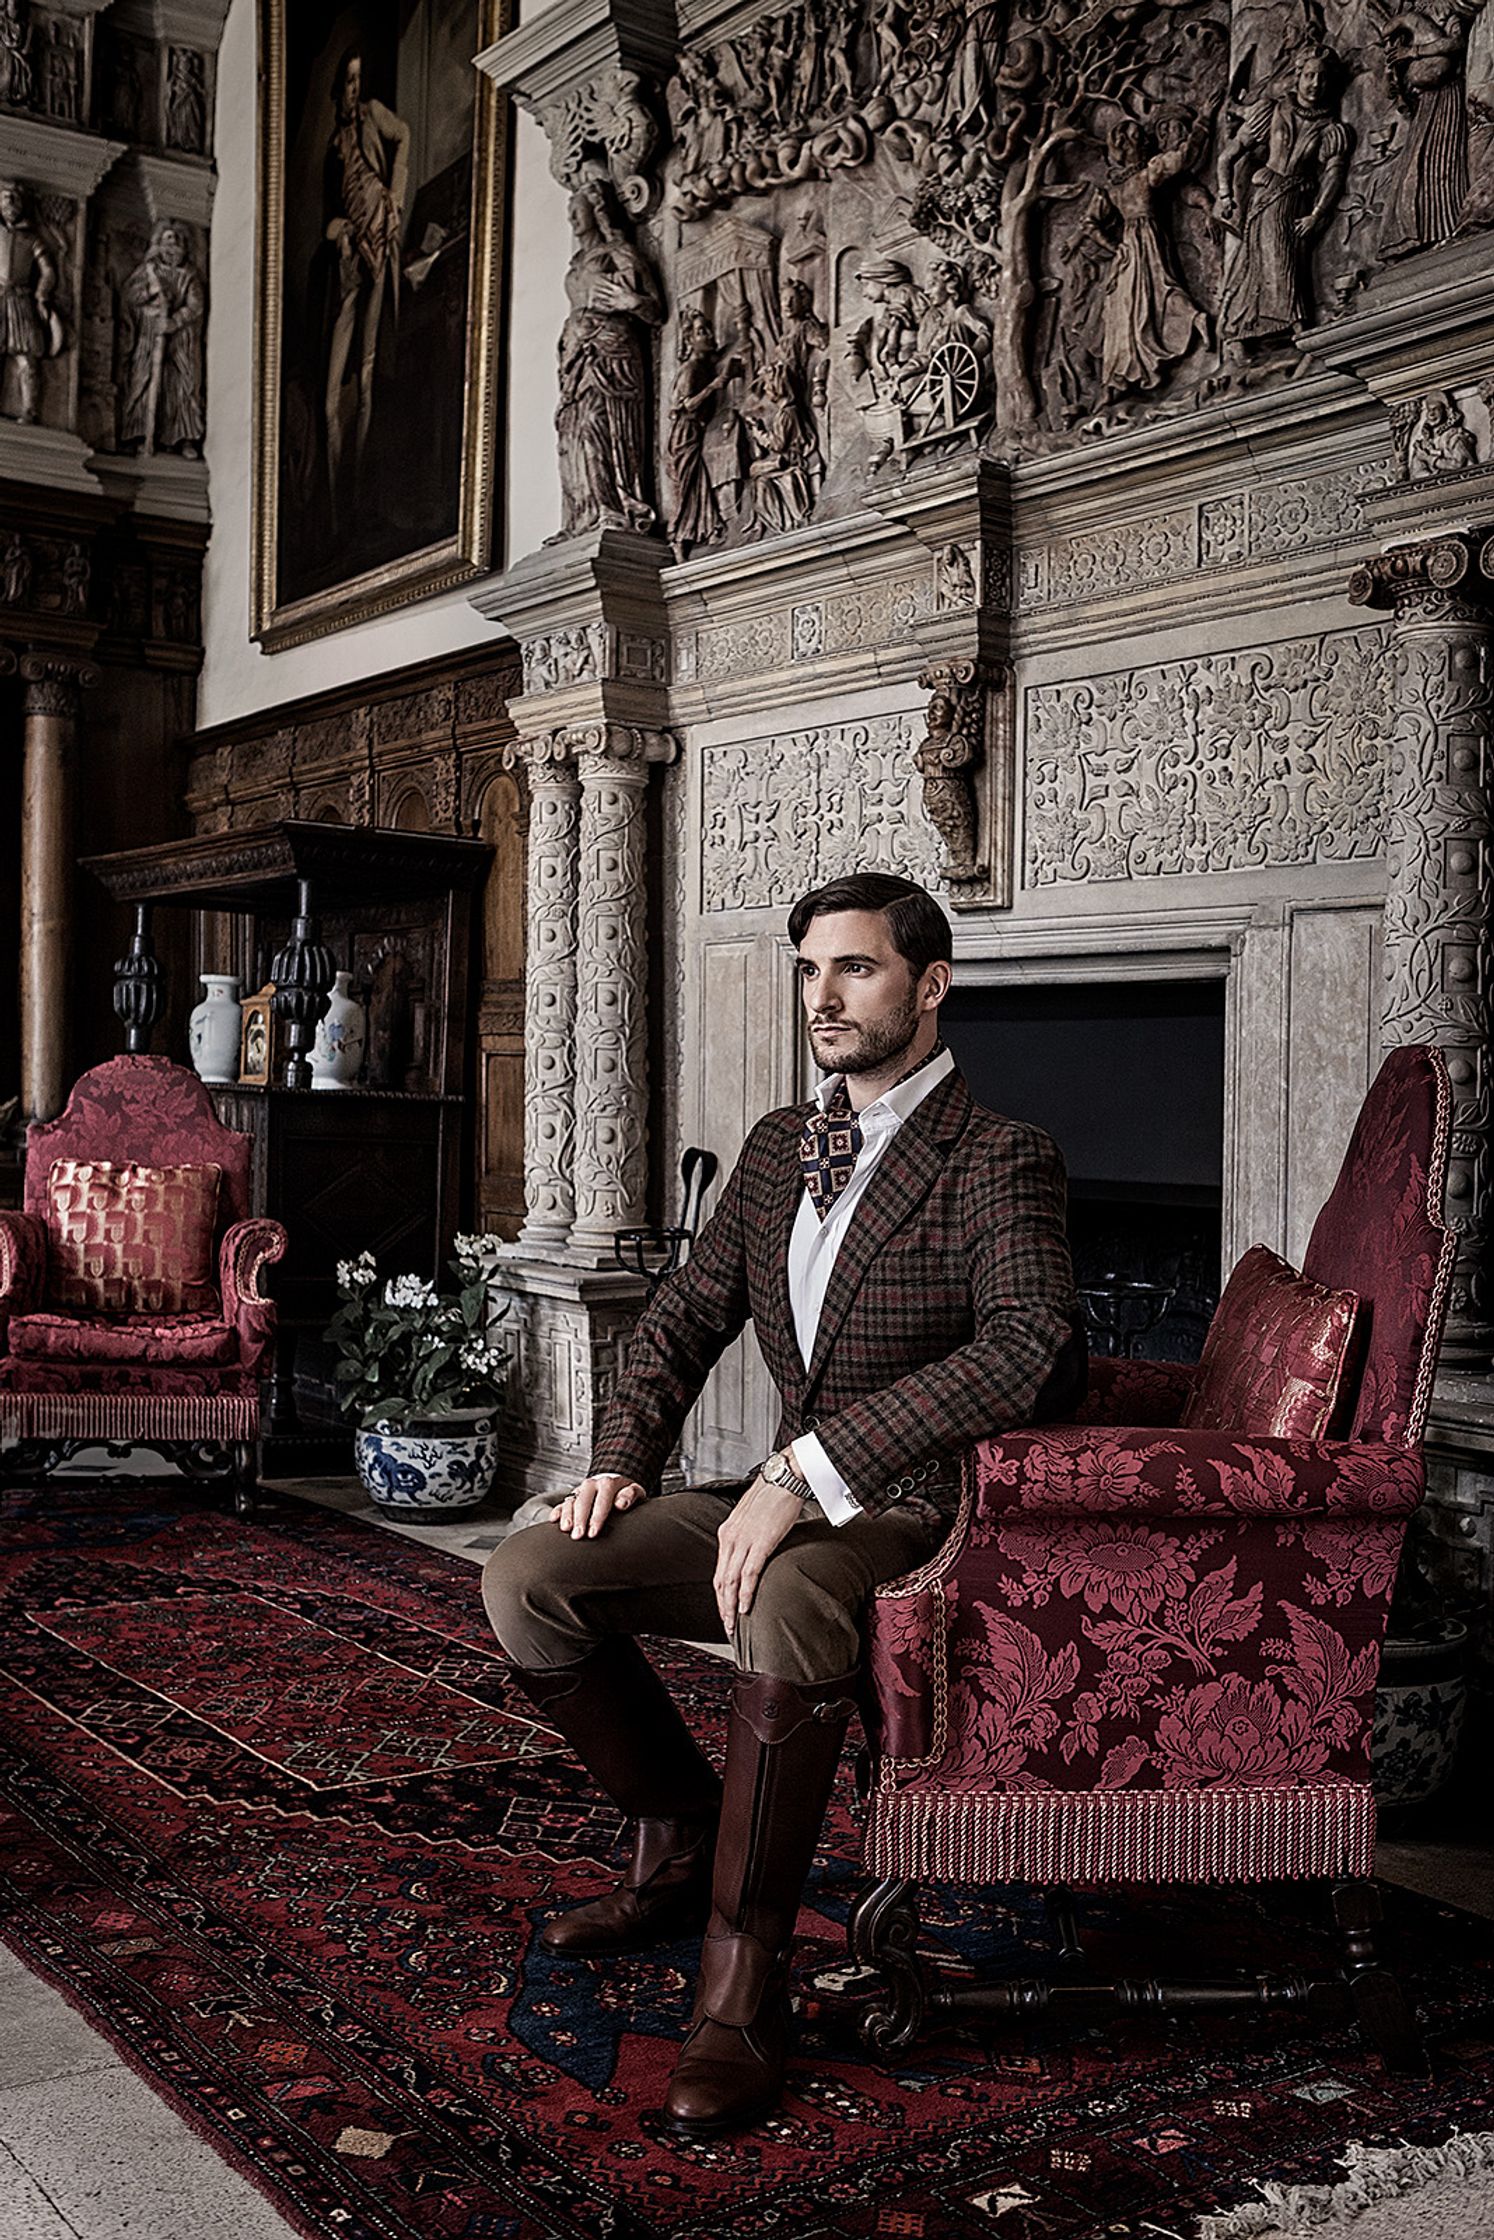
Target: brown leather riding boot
[615,1713]
[782,1749]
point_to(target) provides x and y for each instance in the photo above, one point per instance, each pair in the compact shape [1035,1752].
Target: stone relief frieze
[1275,755]
[1265,522]
[785,814]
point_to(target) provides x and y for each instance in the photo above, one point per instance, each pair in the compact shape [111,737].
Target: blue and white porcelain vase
[337,1053]
[213,1029]
[432,1469]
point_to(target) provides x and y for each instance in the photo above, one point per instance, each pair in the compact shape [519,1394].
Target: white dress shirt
[814,1244]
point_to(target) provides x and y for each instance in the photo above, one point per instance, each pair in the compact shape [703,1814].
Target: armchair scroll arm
[23,1264]
[1100,1470]
[247,1248]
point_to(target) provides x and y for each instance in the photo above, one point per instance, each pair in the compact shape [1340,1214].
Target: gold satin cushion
[1275,1353]
[131,1239]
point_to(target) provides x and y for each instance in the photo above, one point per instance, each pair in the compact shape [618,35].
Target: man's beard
[877,1045]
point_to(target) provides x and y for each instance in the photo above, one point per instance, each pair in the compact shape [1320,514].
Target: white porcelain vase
[337,1053]
[433,1468]
[213,1029]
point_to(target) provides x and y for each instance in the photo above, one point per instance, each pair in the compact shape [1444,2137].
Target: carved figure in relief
[166,302]
[954,579]
[695,517]
[16,571]
[76,573]
[1300,153]
[17,79]
[1441,441]
[947,759]
[883,350]
[62,76]
[975,85]
[126,98]
[603,418]
[704,119]
[1148,320]
[186,102]
[784,477]
[366,175]
[1425,50]
[30,329]
[729,443]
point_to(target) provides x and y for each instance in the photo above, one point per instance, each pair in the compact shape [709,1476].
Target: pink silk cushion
[1275,1353]
[131,1239]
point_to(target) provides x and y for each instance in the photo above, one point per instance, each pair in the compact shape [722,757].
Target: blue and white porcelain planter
[1419,1706]
[432,1469]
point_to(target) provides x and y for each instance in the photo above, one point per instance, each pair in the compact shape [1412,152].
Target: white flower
[409,1291]
[482,1360]
[471,1251]
[357,1275]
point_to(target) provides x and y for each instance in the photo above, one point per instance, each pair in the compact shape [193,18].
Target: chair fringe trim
[1140,1835]
[1374,2174]
[125,1416]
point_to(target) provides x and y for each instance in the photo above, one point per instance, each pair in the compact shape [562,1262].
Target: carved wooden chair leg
[245,1477]
[883,1933]
[1381,2007]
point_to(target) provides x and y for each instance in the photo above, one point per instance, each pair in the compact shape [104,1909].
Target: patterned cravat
[832,1140]
[829,1148]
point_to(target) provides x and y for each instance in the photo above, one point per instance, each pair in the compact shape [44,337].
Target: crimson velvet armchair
[130,1305]
[1147,1654]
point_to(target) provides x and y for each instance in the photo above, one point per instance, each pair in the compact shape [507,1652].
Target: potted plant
[418,1376]
[1422,1688]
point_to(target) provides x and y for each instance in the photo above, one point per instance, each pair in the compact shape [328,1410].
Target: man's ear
[935,986]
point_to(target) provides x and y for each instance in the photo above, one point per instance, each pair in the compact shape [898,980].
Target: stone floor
[88,2152]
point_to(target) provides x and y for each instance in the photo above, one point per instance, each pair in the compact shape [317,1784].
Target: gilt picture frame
[382,238]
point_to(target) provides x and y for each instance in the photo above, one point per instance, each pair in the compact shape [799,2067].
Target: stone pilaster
[1439,939]
[611,983]
[550,993]
[53,688]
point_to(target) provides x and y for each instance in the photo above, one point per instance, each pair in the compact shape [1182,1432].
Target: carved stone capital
[618,753]
[548,757]
[1447,579]
[54,683]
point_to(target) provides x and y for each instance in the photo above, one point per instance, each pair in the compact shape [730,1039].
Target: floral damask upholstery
[70,1373]
[1149,1653]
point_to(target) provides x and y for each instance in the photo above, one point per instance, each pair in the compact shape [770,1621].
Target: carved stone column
[611,988]
[550,993]
[1439,937]
[53,686]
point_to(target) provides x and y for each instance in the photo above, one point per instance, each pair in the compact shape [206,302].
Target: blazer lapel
[786,1187]
[903,1178]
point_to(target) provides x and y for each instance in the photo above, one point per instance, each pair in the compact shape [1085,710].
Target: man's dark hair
[916,926]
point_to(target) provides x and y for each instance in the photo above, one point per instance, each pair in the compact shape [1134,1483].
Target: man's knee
[522,1596]
[805,1620]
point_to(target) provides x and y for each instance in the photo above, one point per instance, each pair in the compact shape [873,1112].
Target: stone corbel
[583,68]
[964,764]
[960,512]
[589,622]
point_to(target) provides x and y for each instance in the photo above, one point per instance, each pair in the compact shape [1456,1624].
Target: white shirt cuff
[825,1481]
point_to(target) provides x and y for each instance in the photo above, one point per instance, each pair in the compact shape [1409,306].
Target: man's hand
[585,1510]
[764,1516]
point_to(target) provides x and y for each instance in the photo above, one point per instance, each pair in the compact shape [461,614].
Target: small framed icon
[256,1039]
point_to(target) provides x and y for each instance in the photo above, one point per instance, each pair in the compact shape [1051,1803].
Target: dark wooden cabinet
[379,1169]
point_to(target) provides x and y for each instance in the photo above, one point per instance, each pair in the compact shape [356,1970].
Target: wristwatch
[779,1471]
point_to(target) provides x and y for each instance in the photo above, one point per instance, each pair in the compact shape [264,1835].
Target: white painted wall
[237,677]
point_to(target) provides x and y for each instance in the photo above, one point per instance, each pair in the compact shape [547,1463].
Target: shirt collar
[903,1098]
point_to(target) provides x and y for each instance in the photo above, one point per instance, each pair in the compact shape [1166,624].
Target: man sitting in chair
[901,1255]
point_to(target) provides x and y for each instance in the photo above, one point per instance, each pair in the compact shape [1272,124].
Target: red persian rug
[270,1815]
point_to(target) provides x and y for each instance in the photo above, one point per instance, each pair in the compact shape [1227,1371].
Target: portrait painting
[381,244]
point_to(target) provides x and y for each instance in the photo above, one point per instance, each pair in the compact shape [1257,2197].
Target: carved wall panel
[1274,755]
[781,815]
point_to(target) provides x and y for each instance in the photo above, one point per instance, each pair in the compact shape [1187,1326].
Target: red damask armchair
[130,1307]
[1147,1655]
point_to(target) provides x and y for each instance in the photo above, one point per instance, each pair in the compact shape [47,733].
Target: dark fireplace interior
[1128,1079]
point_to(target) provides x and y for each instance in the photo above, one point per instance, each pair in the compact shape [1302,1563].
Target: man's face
[11,207]
[861,1000]
[350,92]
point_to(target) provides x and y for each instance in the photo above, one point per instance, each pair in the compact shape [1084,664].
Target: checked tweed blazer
[950,1314]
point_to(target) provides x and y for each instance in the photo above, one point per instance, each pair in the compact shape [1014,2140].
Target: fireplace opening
[1128,1079]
